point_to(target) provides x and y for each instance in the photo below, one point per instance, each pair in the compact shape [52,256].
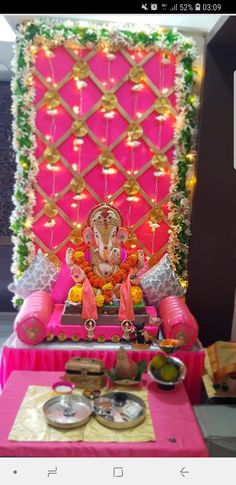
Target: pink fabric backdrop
[171,414]
[160,134]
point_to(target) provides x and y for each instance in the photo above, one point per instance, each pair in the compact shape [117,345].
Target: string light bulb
[137,87]
[52,111]
[165,58]
[49,53]
[80,84]
[76,109]
[132,198]
[109,115]
[50,223]
[111,56]
[52,168]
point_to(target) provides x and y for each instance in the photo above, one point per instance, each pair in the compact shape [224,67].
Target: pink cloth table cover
[176,429]
[51,357]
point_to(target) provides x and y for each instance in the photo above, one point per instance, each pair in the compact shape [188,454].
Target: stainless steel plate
[120,416]
[67,411]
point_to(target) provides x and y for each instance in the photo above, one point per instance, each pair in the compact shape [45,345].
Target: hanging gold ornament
[77,185]
[51,99]
[160,163]
[109,101]
[134,131]
[51,155]
[136,74]
[50,209]
[162,105]
[131,187]
[80,69]
[156,215]
[132,240]
[159,159]
[54,259]
[75,236]
[106,159]
[79,128]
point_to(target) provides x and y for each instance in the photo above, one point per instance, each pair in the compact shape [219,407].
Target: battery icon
[197,6]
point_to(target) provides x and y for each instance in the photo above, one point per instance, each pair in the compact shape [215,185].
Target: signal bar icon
[174,8]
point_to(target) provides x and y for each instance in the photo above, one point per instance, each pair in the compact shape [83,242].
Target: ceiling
[199,24]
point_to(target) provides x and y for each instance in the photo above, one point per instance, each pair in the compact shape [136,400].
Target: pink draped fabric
[17,356]
[89,308]
[126,310]
[63,284]
[177,432]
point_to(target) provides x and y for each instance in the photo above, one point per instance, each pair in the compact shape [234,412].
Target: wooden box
[86,373]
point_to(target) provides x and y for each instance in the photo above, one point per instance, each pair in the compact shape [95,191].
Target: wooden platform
[107,315]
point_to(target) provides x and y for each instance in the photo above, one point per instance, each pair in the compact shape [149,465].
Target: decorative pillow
[160,281]
[41,275]
[63,284]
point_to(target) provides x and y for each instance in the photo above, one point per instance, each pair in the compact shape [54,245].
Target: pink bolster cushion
[63,284]
[31,322]
[178,321]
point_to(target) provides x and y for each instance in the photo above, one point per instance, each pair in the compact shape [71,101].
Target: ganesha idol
[107,288]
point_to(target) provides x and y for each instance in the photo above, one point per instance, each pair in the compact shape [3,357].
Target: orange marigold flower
[125,266]
[87,269]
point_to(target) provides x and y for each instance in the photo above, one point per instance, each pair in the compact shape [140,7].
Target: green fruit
[169,373]
[158,361]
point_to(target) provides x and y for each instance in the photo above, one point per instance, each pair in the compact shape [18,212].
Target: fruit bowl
[161,377]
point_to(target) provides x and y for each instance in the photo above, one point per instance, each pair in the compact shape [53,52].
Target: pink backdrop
[135,162]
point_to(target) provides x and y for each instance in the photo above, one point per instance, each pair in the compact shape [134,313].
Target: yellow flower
[78,255]
[107,286]
[136,294]
[75,294]
[99,300]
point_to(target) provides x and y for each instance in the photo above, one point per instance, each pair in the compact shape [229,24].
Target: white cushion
[41,275]
[160,281]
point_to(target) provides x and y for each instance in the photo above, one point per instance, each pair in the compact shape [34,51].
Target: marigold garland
[106,285]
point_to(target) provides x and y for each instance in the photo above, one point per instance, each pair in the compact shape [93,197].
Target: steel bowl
[170,345]
[170,384]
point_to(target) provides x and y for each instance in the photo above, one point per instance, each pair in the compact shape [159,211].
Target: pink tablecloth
[174,423]
[51,357]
